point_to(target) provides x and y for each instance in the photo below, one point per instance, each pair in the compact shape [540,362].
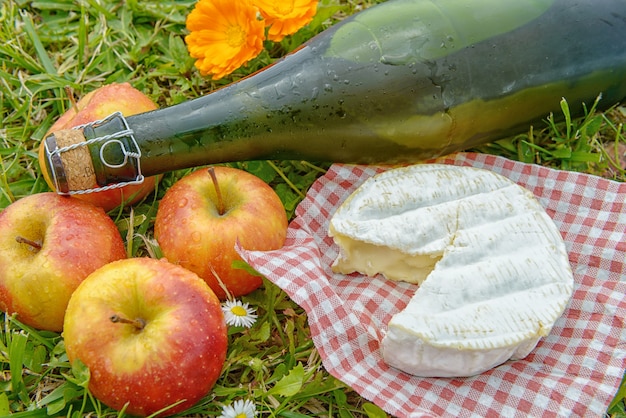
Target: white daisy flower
[238,314]
[239,409]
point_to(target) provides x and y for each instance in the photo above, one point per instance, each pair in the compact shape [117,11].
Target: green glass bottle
[401,81]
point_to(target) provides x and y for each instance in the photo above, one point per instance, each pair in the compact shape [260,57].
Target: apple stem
[137,323]
[70,95]
[220,201]
[35,246]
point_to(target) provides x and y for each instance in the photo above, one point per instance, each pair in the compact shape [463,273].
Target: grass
[50,46]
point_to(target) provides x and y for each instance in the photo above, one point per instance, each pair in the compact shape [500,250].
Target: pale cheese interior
[371,259]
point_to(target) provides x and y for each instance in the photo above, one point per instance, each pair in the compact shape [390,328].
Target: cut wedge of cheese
[492,269]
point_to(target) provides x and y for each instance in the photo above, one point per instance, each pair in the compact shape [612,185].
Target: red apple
[195,232]
[48,245]
[97,105]
[151,333]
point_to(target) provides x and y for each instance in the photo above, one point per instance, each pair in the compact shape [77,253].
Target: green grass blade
[42,54]
[17,349]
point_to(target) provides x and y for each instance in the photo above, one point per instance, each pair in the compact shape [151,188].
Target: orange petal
[224,35]
[286,17]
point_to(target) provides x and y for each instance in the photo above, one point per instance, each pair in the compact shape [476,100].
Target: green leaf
[320,385]
[324,12]
[262,334]
[340,396]
[561,153]
[593,125]
[240,264]
[344,413]
[261,169]
[16,360]
[124,224]
[4,405]
[291,384]
[287,196]
[279,371]
[255,364]
[568,117]
[56,400]
[291,414]
[80,374]
[585,157]
[35,357]
[373,411]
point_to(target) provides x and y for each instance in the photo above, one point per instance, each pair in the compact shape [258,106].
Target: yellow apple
[197,227]
[48,245]
[151,333]
[97,105]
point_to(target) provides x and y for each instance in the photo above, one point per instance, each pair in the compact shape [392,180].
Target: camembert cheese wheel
[492,269]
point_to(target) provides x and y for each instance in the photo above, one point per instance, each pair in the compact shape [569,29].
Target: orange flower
[225,34]
[285,17]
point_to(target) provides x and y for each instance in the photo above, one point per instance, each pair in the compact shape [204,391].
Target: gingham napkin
[574,371]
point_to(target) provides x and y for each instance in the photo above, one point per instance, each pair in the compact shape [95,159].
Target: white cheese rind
[493,270]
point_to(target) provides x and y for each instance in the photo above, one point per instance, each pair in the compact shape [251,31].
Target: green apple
[94,106]
[151,333]
[48,245]
[201,218]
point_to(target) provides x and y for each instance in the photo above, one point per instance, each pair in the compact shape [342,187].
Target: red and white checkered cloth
[573,372]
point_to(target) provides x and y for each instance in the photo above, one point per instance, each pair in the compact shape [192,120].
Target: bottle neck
[254,118]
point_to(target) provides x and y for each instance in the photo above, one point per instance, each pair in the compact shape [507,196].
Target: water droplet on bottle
[450,40]
[328,88]
[279,94]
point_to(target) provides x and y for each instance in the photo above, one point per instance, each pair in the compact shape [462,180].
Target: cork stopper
[79,170]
